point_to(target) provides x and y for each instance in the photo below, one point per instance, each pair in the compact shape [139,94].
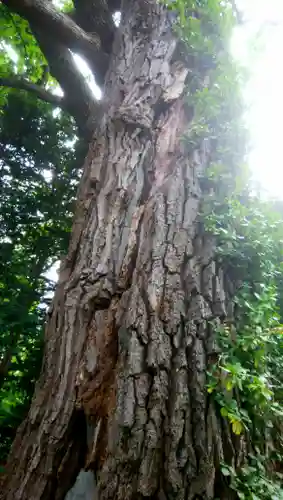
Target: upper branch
[57,35]
[79,100]
[21,83]
[97,16]
[61,26]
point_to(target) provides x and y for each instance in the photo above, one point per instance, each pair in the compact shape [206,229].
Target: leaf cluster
[38,178]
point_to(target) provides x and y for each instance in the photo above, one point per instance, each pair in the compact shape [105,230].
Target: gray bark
[128,341]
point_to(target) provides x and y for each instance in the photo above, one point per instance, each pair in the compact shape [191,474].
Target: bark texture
[128,340]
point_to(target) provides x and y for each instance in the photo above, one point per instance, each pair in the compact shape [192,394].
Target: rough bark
[129,340]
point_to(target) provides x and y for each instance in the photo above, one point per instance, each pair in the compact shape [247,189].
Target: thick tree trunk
[123,384]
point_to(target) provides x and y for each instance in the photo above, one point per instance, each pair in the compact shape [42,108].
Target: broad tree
[130,334]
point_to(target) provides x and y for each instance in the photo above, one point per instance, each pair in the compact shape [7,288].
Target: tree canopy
[40,166]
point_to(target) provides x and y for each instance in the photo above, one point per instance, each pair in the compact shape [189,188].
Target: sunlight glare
[262,93]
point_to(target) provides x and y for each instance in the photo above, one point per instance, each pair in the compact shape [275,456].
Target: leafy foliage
[246,381]
[252,481]
[38,176]
[40,156]
[15,31]
[19,53]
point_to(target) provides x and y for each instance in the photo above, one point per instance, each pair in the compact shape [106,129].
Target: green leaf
[237,427]
[225,471]
[224,412]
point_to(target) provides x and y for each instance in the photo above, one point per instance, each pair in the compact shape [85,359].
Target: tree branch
[97,16]
[57,34]
[61,26]
[79,100]
[23,84]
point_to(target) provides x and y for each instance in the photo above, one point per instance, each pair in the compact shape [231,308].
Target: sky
[263,92]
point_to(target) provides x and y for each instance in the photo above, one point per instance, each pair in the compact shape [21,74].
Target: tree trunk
[123,384]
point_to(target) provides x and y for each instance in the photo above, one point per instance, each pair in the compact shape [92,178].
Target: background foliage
[246,381]
[40,161]
[38,179]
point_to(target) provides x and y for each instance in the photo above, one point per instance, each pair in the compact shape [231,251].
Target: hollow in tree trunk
[128,341]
